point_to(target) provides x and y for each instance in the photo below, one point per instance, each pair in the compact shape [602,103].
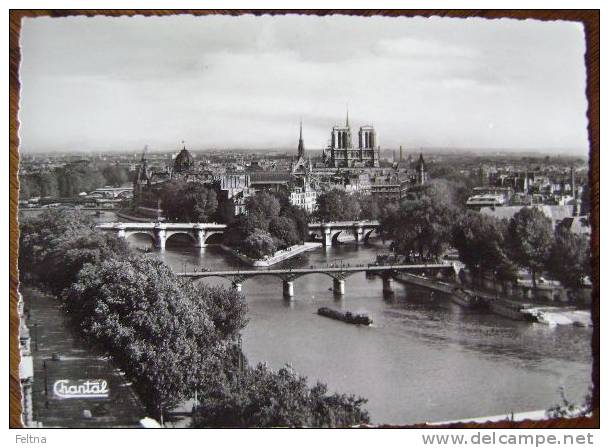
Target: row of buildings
[355,170]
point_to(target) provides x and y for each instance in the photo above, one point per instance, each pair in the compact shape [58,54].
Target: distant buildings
[353,166]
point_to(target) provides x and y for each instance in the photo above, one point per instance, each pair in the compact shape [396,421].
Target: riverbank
[508,306]
[279,256]
[134,218]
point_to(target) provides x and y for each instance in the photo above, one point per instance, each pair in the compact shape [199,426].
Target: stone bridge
[329,232]
[338,274]
[160,232]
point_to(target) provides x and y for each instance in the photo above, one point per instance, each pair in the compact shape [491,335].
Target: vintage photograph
[302,221]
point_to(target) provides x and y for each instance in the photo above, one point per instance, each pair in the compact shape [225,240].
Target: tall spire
[347,122]
[301,148]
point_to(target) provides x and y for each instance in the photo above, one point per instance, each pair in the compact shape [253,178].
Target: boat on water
[348,317]
[466,298]
[511,309]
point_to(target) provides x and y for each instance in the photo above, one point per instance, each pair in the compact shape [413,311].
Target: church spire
[301,148]
[347,121]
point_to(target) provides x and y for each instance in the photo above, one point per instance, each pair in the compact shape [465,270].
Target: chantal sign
[81,389]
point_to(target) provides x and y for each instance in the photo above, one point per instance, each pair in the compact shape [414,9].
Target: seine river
[423,359]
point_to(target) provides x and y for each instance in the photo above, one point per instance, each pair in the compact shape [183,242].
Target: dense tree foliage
[115,175]
[530,238]
[480,240]
[189,201]
[38,185]
[261,397]
[569,258]
[337,205]
[156,325]
[71,180]
[370,207]
[262,207]
[284,229]
[55,245]
[299,217]
[420,229]
[258,245]
[270,224]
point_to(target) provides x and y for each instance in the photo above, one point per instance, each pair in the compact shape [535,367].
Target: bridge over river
[200,232]
[338,275]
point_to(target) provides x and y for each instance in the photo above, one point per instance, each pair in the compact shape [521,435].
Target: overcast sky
[245,82]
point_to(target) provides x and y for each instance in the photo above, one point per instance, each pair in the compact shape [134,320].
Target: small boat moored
[513,310]
[348,317]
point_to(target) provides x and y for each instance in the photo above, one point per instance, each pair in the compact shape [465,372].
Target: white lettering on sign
[81,389]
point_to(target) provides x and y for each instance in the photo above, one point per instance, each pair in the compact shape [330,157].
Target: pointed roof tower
[347,121]
[301,148]
[421,163]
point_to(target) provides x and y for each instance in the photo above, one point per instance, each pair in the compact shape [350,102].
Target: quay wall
[279,256]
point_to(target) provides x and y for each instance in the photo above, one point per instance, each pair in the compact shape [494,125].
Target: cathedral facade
[342,153]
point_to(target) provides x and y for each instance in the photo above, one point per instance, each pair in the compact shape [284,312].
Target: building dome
[183,161]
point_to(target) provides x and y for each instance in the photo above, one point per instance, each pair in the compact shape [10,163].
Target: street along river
[423,359]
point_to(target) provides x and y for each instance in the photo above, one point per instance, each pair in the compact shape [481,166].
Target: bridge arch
[131,233]
[368,233]
[213,237]
[334,235]
[170,234]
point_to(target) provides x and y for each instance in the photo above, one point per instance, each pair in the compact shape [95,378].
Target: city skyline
[246,82]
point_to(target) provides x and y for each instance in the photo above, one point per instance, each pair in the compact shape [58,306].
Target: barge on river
[512,309]
[348,317]
[466,299]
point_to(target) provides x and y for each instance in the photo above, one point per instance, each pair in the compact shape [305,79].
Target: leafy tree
[153,323]
[530,238]
[38,185]
[420,229]
[480,240]
[569,258]
[188,201]
[115,175]
[258,245]
[261,397]
[299,217]
[238,230]
[61,265]
[337,205]
[284,230]
[370,206]
[39,236]
[73,179]
[226,308]
[262,207]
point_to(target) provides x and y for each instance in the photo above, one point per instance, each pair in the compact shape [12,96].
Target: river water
[423,359]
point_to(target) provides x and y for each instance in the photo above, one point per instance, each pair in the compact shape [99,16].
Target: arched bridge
[330,231]
[338,274]
[161,231]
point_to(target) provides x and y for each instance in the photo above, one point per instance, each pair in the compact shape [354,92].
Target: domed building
[183,162]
